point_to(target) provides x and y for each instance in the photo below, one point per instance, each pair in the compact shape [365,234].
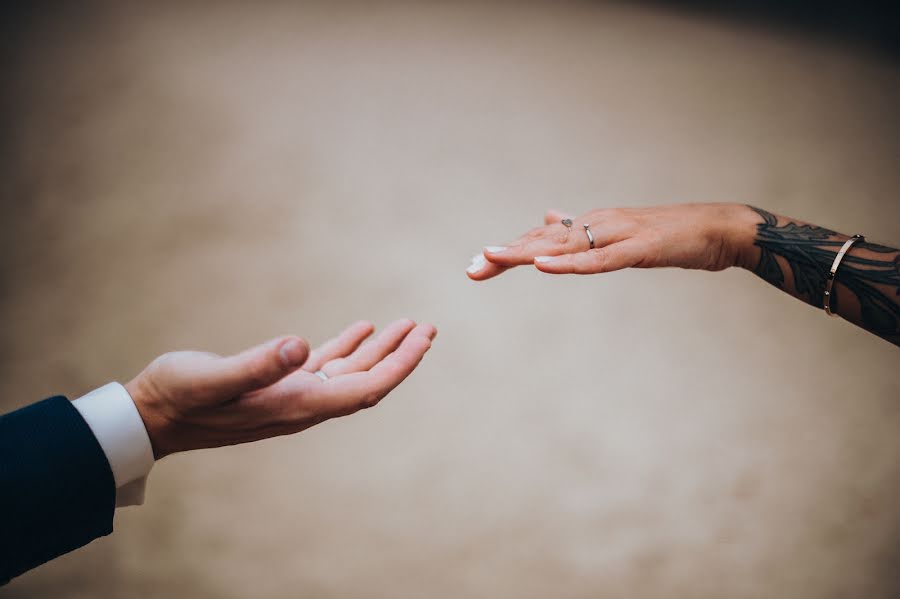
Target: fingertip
[362,327]
[429,330]
[488,271]
[403,323]
[483,273]
[476,265]
[424,330]
[293,352]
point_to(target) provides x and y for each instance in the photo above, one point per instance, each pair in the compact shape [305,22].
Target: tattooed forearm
[796,258]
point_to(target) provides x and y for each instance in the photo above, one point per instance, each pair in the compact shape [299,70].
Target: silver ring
[567,222]
[587,229]
[321,375]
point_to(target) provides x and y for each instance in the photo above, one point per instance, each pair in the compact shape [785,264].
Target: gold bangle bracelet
[829,282]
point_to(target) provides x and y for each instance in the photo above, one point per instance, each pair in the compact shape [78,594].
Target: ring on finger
[590,236]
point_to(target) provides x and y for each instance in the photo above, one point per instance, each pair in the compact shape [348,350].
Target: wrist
[154,420]
[739,233]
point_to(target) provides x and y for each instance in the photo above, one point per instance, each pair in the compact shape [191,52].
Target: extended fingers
[338,347]
[553,239]
[549,240]
[371,352]
[624,254]
[352,392]
[482,268]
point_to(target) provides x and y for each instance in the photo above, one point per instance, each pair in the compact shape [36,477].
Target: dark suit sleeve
[57,491]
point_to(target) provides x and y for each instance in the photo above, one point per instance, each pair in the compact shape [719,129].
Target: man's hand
[700,236]
[191,400]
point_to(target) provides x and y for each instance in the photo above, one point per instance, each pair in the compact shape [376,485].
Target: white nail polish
[496,249]
[543,259]
[478,263]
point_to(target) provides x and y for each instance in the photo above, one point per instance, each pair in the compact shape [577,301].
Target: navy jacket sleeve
[57,491]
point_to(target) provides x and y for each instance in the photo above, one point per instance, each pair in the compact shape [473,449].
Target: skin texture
[791,255]
[193,400]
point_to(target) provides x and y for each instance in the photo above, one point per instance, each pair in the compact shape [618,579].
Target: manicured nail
[293,353]
[543,259]
[495,249]
[478,263]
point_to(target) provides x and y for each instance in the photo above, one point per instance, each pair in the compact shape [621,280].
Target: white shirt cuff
[113,418]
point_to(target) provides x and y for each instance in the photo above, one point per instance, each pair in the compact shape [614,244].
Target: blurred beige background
[207,176]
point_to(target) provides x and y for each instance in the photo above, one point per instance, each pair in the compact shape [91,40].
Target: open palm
[190,400]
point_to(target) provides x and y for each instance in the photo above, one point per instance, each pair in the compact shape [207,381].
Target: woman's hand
[698,236]
[792,255]
[192,400]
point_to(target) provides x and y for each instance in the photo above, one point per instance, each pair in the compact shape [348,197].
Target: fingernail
[543,259]
[495,249]
[293,353]
[478,263]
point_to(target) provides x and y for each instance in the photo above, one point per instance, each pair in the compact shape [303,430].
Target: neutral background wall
[207,176]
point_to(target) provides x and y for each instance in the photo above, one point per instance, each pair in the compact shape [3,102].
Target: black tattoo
[809,251]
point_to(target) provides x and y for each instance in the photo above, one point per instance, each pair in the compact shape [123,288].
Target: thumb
[258,366]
